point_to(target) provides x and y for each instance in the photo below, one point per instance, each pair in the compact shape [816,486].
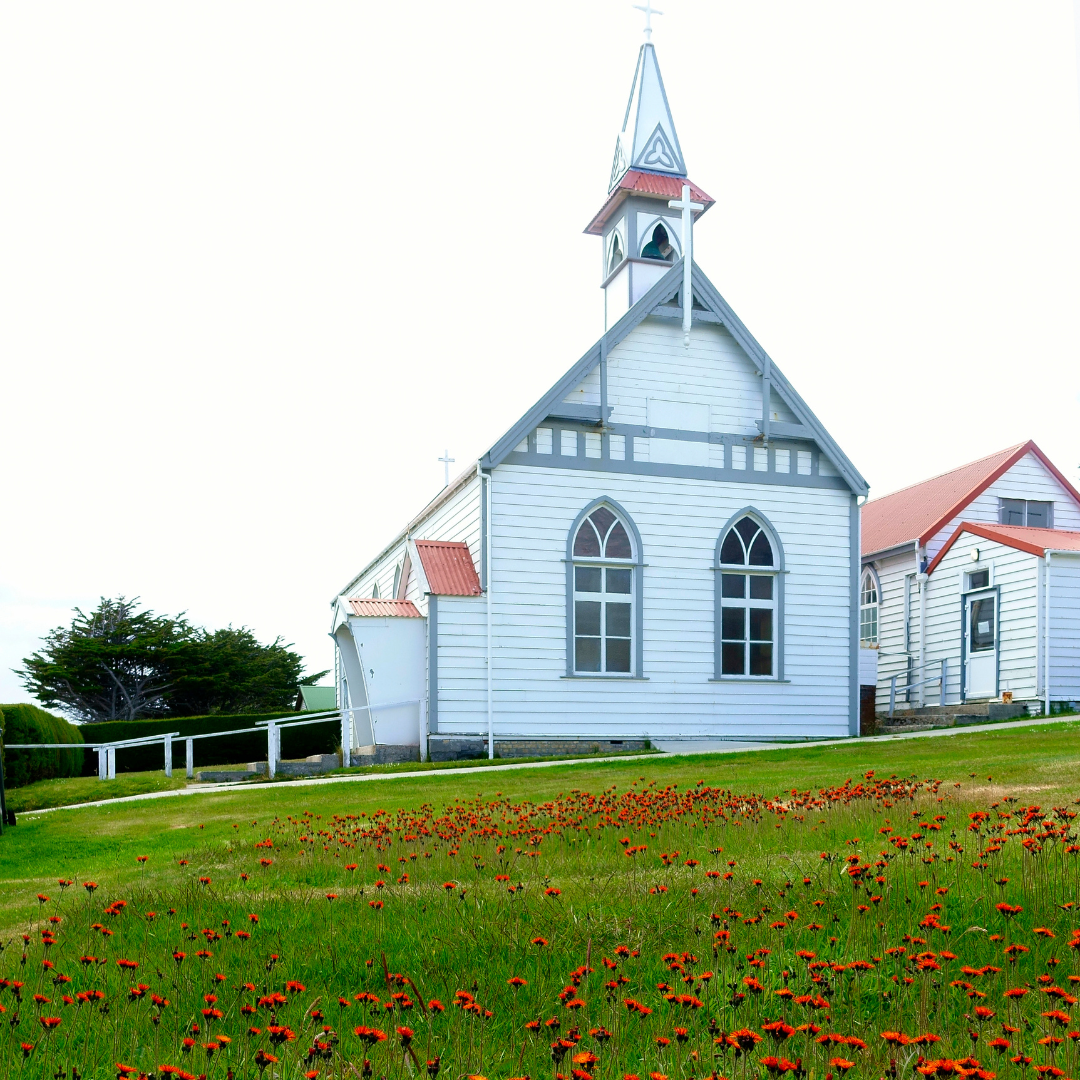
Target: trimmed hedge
[29,724]
[229,750]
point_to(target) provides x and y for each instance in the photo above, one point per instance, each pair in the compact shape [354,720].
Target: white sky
[261,262]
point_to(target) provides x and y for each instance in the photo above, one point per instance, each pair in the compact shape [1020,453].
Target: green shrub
[29,724]
[229,750]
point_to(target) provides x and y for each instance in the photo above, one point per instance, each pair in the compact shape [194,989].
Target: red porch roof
[448,568]
[383,608]
[1020,537]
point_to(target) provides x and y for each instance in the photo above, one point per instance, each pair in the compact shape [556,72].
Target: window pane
[1012,511]
[733,623]
[760,588]
[602,518]
[761,551]
[760,659]
[587,617]
[746,529]
[732,660]
[587,578]
[618,620]
[760,624]
[1038,515]
[618,581]
[618,654]
[731,554]
[586,543]
[979,580]
[618,543]
[733,585]
[982,624]
[587,654]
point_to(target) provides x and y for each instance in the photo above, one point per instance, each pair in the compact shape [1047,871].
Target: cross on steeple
[447,461]
[650,11]
[687,207]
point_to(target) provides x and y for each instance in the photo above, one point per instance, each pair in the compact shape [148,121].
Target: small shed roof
[382,608]
[922,510]
[1021,537]
[316,698]
[448,567]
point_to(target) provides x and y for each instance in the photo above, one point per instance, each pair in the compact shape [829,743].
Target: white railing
[942,678]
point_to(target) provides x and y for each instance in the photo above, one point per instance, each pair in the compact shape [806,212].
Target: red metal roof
[654,185]
[1022,537]
[924,509]
[382,608]
[448,568]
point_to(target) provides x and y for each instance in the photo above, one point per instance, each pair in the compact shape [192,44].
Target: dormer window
[659,247]
[615,251]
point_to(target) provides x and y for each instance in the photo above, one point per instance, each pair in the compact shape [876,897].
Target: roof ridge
[948,472]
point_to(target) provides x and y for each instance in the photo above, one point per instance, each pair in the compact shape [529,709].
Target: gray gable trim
[708,295]
[662,292]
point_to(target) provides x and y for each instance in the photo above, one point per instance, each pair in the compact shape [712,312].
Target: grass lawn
[454,887]
[84,789]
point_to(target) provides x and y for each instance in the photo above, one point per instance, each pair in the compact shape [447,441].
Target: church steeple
[641,232]
[647,139]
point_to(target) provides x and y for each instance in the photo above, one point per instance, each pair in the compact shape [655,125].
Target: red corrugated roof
[382,608]
[1022,537]
[655,185]
[924,509]
[448,568]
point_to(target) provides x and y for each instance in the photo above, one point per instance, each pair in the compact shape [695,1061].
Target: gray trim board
[639,567]
[780,575]
[856,576]
[433,664]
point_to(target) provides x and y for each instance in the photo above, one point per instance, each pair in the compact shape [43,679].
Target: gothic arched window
[749,599]
[615,251]
[869,600]
[604,594]
[658,246]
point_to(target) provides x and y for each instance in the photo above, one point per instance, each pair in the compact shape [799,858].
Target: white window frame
[867,606]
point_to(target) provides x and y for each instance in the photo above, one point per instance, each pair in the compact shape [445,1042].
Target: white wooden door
[981,645]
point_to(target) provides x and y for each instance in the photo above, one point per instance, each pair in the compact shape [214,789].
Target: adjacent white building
[666,544]
[975,574]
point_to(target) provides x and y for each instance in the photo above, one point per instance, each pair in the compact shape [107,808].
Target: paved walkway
[669,747]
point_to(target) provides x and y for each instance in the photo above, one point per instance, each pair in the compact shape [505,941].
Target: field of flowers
[878,928]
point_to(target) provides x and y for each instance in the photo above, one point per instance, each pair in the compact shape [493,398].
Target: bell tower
[640,233]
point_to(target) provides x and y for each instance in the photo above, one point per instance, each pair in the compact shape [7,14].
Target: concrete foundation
[384,754]
[465,747]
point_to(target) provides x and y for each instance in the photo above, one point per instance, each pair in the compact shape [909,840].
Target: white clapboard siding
[1016,576]
[679,521]
[1027,479]
[895,575]
[652,362]
[1065,627]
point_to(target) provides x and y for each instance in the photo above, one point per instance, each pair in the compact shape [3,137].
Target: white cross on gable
[650,11]
[687,207]
[447,461]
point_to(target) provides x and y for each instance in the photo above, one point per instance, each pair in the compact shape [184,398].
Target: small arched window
[659,246]
[615,251]
[869,600]
[749,600]
[604,593]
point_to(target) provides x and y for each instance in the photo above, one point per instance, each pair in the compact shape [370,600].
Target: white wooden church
[665,545]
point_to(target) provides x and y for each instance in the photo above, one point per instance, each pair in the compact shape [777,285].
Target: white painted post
[687,207]
[422,706]
[112,762]
[168,755]
[271,749]
[102,763]
[346,737]
[189,756]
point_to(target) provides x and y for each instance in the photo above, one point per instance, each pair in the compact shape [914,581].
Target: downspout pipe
[486,494]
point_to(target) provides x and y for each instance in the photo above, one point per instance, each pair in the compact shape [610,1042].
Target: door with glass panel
[980,645]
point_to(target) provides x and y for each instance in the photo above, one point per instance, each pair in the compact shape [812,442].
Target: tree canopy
[122,662]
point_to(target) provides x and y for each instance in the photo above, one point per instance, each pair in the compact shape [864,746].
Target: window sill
[608,678]
[749,679]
